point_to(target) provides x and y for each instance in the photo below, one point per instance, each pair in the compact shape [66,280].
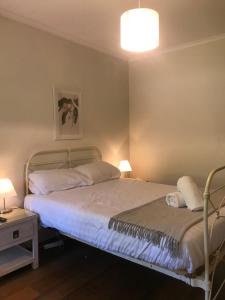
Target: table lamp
[125,168]
[6,190]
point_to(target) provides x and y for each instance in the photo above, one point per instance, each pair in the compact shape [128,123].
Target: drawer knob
[16,234]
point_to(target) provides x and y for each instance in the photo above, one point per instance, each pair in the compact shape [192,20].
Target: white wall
[31,62]
[177,113]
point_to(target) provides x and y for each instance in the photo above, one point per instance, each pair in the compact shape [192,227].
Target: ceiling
[95,23]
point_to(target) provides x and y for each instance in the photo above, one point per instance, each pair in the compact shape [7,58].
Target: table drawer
[16,233]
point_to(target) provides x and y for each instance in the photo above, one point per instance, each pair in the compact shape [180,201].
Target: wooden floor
[81,272]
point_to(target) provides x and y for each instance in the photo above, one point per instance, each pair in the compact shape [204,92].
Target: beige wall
[31,62]
[177,104]
[177,113]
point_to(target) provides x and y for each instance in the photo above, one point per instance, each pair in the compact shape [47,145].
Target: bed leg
[206,294]
[207,289]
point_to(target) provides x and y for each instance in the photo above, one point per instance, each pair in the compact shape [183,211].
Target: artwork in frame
[67,114]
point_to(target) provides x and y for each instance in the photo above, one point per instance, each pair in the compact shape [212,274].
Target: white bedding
[84,213]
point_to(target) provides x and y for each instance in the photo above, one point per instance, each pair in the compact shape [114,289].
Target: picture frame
[67,114]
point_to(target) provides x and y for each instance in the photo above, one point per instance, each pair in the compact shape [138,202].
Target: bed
[83,213]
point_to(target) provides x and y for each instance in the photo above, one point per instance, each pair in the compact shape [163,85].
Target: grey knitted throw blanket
[158,223]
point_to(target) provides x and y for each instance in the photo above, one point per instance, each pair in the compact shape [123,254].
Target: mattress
[84,213]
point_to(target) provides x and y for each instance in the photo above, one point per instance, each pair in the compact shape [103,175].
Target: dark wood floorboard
[79,272]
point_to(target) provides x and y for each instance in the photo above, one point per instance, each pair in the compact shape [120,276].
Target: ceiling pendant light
[139,29]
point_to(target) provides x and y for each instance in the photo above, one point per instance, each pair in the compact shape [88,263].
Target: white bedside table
[20,227]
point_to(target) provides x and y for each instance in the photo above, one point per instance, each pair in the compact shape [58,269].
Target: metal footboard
[211,268]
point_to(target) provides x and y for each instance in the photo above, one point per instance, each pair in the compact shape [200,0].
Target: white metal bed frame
[66,158]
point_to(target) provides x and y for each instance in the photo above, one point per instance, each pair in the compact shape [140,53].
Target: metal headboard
[62,158]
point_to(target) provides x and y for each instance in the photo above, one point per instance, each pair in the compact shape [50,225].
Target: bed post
[206,196]
[206,243]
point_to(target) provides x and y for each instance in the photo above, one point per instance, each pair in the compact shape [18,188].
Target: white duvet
[84,213]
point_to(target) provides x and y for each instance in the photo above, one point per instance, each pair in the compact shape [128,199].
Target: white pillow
[98,171]
[43,182]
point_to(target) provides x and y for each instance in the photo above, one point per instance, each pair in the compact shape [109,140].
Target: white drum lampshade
[124,166]
[139,29]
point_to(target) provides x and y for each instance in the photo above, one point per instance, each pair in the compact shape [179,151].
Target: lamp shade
[7,188]
[139,29]
[124,166]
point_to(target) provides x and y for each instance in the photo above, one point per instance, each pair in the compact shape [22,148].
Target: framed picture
[67,114]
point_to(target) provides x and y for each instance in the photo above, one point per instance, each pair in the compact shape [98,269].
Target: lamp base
[125,174]
[5,211]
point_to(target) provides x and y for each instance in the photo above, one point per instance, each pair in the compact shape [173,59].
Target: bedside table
[20,227]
